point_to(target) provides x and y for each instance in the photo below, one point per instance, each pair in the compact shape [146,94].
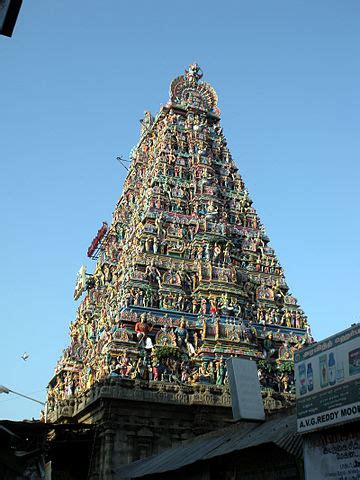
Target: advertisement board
[327,376]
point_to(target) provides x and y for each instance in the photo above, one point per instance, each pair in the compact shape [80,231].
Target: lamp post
[7,390]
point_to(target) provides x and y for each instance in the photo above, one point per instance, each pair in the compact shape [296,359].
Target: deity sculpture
[142,330]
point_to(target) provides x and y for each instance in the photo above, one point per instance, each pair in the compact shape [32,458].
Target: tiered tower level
[185,276]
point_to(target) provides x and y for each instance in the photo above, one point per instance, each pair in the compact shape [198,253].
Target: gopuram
[184,278]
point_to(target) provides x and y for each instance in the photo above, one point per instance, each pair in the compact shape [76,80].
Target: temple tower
[184,278]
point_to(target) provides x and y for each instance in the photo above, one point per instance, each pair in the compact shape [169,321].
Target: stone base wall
[136,419]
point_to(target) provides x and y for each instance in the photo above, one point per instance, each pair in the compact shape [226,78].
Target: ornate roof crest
[194,74]
[189,92]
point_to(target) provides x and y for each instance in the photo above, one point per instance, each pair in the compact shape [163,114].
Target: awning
[280,431]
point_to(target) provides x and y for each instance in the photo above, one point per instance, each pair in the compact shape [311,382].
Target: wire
[121,160]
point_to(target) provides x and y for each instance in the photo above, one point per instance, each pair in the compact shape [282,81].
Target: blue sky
[75,80]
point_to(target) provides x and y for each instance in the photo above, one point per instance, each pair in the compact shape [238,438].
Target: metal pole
[29,398]
[7,390]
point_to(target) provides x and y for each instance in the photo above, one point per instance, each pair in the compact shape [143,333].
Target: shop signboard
[332,456]
[328,381]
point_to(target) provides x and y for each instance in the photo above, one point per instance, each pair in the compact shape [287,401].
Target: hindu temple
[184,277]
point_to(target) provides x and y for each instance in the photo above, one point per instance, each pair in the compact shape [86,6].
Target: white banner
[80,282]
[332,456]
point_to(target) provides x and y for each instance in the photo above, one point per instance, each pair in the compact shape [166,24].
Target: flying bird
[25,356]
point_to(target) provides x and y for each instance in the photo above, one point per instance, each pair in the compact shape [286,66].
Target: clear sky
[75,79]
